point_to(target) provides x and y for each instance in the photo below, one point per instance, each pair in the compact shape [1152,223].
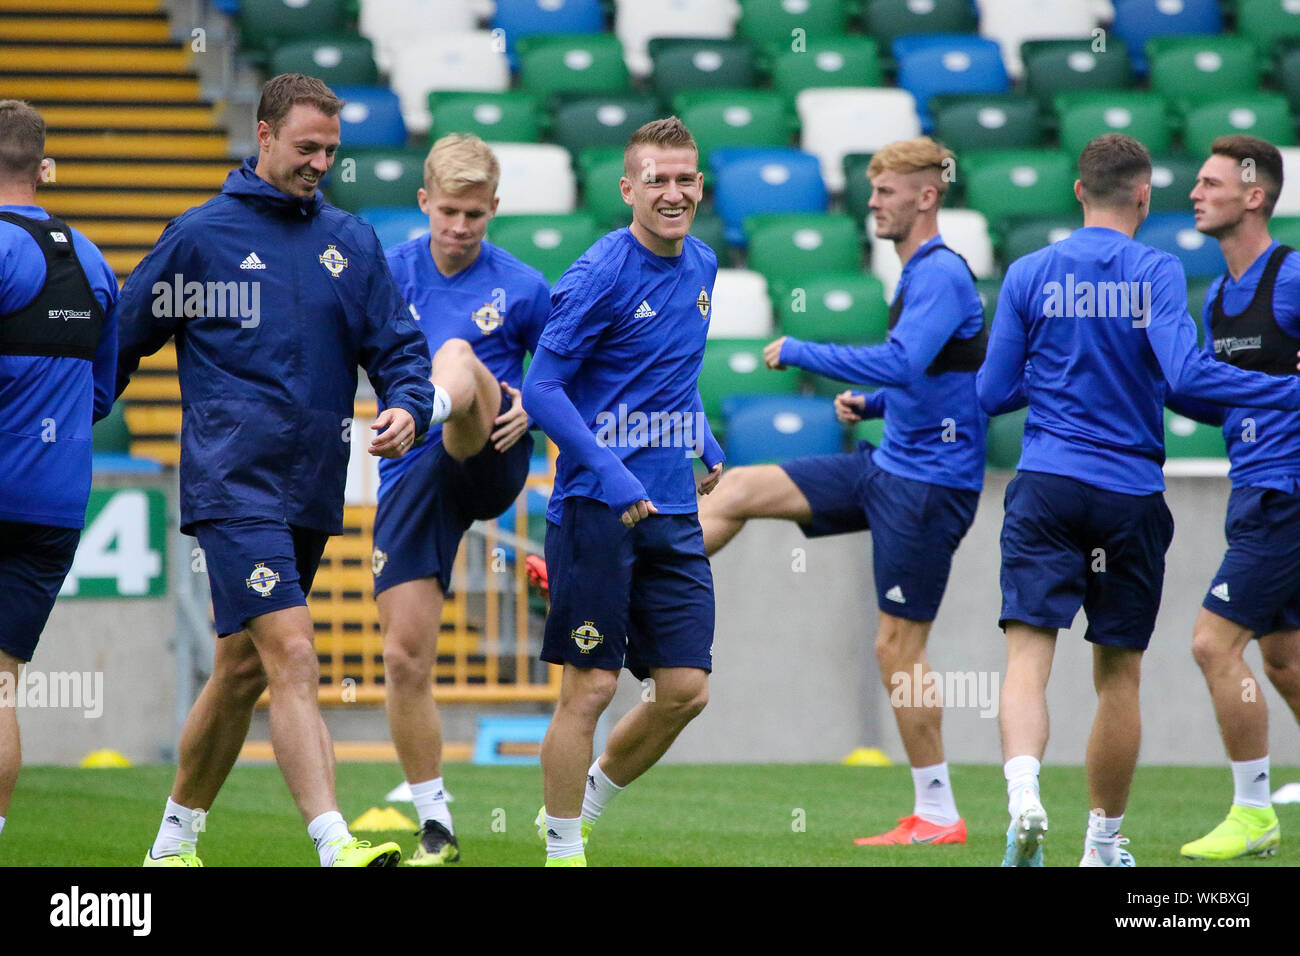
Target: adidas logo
[252,262]
[591,782]
[896,594]
[552,834]
[935,784]
[1263,775]
[643,311]
[1220,591]
[174,820]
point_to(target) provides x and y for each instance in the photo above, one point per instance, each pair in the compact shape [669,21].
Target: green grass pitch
[734,815]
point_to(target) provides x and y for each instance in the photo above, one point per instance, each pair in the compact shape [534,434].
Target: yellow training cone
[376,820]
[868,757]
[104,758]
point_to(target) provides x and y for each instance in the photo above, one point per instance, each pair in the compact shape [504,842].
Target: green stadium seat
[771,24]
[376,177]
[789,249]
[1012,183]
[734,118]
[343,60]
[857,188]
[735,367]
[847,307]
[581,63]
[1029,235]
[1188,70]
[600,170]
[1287,73]
[829,61]
[510,117]
[872,430]
[1058,66]
[1196,289]
[550,244]
[1268,21]
[1185,438]
[111,435]
[689,63]
[1004,438]
[608,120]
[988,290]
[1286,230]
[709,228]
[1265,115]
[1173,176]
[1083,116]
[888,19]
[986,122]
[264,24]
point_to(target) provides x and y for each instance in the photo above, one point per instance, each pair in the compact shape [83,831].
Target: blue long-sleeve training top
[1088,331]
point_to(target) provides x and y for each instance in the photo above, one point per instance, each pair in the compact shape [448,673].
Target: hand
[772,354]
[710,481]
[637,512]
[848,407]
[513,424]
[396,430]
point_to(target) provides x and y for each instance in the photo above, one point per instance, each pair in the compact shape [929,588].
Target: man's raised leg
[585,692]
[410,615]
[751,491]
[475,398]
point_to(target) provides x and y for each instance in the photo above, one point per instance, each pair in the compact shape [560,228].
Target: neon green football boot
[356,852]
[540,823]
[579,860]
[187,857]
[437,846]
[1246,831]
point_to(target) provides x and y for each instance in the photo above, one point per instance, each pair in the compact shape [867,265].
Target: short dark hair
[281,93]
[670,133]
[22,142]
[1264,159]
[1111,166]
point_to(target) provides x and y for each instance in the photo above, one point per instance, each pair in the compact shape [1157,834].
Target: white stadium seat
[965,231]
[741,307]
[472,60]
[536,179]
[837,121]
[1012,22]
[387,22]
[1288,203]
[637,22]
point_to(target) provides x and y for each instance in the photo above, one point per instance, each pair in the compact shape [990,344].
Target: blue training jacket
[274,302]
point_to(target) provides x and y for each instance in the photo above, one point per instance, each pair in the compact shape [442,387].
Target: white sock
[179,825]
[600,790]
[324,831]
[431,802]
[2,824]
[441,406]
[933,797]
[1022,778]
[1102,834]
[563,837]
[1250,783]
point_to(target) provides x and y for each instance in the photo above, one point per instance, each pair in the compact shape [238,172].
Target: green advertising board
[123,550]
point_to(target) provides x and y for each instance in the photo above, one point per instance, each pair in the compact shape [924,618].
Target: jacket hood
[245,183]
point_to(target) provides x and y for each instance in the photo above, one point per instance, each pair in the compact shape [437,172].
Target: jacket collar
[245,183]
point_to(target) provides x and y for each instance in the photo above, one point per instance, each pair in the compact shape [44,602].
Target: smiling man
[629,581]
[1251,318]
[480,309]
[268,398]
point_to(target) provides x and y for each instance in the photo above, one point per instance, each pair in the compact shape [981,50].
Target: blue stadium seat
[371,116]
[772,429]
[1137,21]
[764,429]
[1175,233]
[521,18]
[749,180]
[941,64]
[394,225]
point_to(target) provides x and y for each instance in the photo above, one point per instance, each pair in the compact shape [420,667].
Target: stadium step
[84,7]
[84,29]
[90,116]
[123,232]
[37,58]
[40,87]
[71,204]
[84,173]
[145,146]
[122,261]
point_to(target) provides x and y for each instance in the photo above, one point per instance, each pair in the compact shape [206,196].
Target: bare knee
[243,678]
[899,644]
[408,660]
[685,701]
[454,350]
[1283,671]
[295,664]
[729,498]
[587,696]
[1209,651]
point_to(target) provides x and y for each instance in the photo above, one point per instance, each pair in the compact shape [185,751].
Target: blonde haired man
[480,309]
[918,491]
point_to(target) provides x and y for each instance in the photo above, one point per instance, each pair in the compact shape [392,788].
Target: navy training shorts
[34,561]
[1258,583]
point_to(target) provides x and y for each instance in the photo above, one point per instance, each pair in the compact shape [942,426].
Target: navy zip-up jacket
[274,301]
